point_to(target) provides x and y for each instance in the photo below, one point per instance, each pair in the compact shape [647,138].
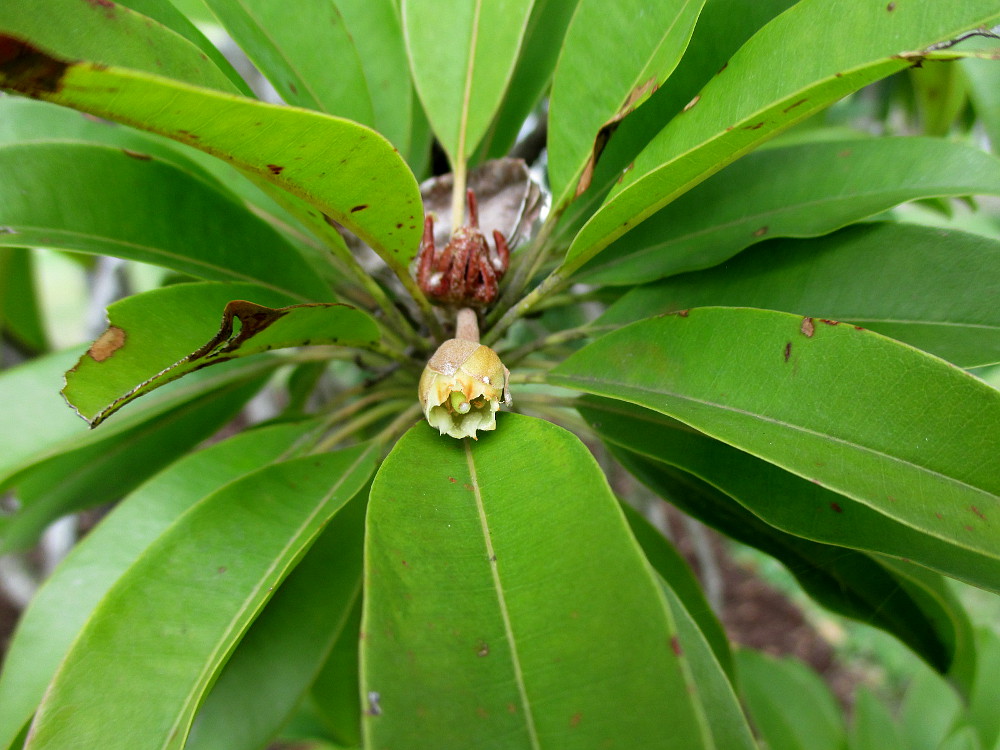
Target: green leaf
[170,16]
[952,281]
[667,561]
[336,694]
[69,595]
[95,472]
[377,31]
[349,173]
[471,636]
[798,191]
[791,706]
[874,727]
[49,200]
[613,58]
[287,644]
[138,670]
[111,34]
[532,74]
[308,56]
[722,28]
[982,702]
[462,56]
[785,73]
[903,433]
[984,91]
[27,120]
[20,315]
[156,337]
[930,709]
[735,493]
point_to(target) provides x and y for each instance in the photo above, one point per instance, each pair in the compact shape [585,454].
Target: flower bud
[462,387]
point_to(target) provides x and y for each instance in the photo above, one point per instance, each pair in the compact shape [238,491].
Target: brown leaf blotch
[27,69]
[808,327]
[109,342]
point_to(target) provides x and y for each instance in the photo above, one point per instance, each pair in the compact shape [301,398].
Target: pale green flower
[462,387]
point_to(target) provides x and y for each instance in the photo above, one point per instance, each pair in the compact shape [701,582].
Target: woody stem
[466,325]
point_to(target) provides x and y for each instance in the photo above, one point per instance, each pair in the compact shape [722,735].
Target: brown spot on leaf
[724,66]
[221,569]
[362,207]
[28,70]
[835,507]
[274,168]
[638,94]
[891,7]
[808,328]
[939,516]
[761,231]
[845,153]
[754,127]
[978,512]
[691,103]
[790,107]
[788,350]
[136,155]
[109,342]
[829,322]
[482,649]
[675,645]
[452,480]
[467,486]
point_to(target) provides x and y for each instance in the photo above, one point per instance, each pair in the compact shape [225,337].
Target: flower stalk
[464,382]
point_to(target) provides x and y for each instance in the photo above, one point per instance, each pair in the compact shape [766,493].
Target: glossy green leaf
[156,337]
[308,56]
[111,34]
[167,13]
[462,56]
[95,472]
[347,172]
[929,710]
[335,695]
[873,726]
[145,209]
[471,636]
[901,432]
[798,191]
[64,603]
[287,644]
[858,275]
[377,31]
[804,60]
[963,738]
[790,705]
[28,120]
[667,561]
[20,314]
[722,28]
[138,670]
[734,493]
[613,57]
[982,702]
[532,74]
[984,91]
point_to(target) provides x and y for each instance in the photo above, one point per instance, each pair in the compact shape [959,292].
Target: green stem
[528,263]
[523,307]
[400,423]
[562,337]
[371,415]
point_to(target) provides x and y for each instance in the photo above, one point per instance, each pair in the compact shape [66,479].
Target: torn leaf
[157,337]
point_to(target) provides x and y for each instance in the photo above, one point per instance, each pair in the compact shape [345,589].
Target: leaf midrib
[787,425]
[188,704]
[529,722]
